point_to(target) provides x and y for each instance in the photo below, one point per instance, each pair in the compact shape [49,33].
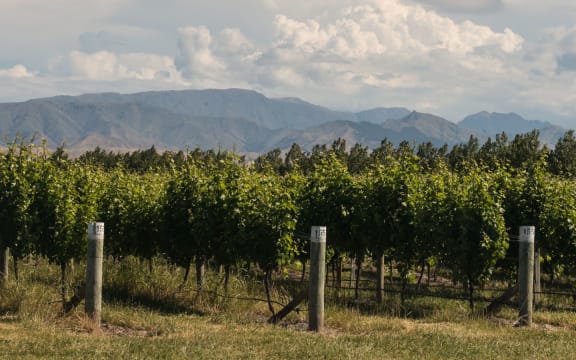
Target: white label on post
[318,234]
[96,230]
[527,233]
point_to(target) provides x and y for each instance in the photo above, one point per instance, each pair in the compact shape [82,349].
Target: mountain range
[242,120]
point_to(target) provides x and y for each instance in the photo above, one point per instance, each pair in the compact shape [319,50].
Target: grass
[160,321]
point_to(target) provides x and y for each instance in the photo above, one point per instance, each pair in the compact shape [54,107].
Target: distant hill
[421,127]
[379,115]
[242,120]
[230,103]
[491,124]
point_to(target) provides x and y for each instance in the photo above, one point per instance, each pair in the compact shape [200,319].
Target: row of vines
[393,205]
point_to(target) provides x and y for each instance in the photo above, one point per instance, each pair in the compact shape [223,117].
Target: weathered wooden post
[317,278]
[380,280]
[526,275]
[93,305]
[4,259]
[353,271]
[537,277]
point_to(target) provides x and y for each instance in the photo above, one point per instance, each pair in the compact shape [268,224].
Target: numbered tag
[527,233]
[96,230]
[318,234]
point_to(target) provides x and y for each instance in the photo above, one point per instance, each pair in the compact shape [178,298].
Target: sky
[451,58]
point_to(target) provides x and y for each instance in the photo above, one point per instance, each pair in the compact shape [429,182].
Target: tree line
[410,206]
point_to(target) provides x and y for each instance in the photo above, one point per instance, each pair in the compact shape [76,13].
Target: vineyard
[402,211]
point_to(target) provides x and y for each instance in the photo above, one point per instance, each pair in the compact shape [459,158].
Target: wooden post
[537,278]
[526,275]
[301,296]
[200,271]
[497,304]
[317,278]
[353,271]
[380,280]
[93,305]
[4,261]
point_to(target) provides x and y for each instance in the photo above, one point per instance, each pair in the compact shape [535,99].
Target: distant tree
[431,157]
[270,161]
[59,154]
[382,154]
[295,158]
[404,150]
[495,152]
[339,149]
[525,150]
[463,153]
[99,157]
[562,160]
[358,159]
[142,161]
[319,152]
[170,159]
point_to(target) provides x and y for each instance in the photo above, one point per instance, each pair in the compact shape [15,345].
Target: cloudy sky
[447,57]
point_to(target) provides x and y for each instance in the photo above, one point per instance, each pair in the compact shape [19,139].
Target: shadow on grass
[168,305]
[391,306]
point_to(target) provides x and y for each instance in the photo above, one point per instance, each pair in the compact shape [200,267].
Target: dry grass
[168,323]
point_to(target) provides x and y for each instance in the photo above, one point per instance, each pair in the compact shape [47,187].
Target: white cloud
[195,58]
[385,45]
[379,46]
[391,27]
[17,71]
[389,53]
[109,66]
[232,42]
